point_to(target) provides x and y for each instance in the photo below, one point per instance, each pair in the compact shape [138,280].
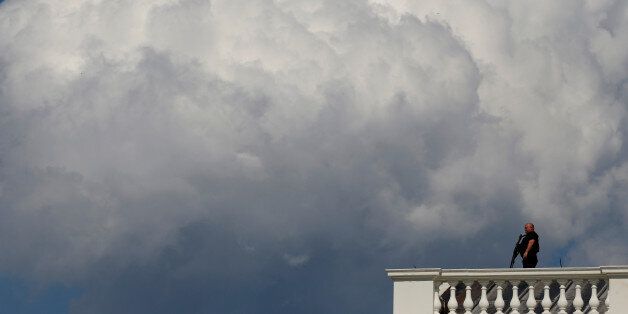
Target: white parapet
[420,291]
[414,291]
[618,288]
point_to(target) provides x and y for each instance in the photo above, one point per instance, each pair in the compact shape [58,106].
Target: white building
[540,290]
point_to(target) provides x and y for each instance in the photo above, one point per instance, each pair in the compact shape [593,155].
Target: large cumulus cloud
[273,156]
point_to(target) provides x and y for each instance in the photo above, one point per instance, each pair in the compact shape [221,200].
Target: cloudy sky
[275,156]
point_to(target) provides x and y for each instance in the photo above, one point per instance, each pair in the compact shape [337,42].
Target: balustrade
[547,303]
[515,291]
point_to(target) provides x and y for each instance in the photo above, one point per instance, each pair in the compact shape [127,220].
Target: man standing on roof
[529,246]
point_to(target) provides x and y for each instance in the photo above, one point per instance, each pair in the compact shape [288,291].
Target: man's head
[529,227]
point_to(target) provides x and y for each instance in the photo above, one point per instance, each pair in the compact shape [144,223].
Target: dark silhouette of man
[529,246]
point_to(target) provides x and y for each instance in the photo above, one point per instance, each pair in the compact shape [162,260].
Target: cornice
[444,275]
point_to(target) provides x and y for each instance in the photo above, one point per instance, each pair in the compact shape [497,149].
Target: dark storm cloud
[275,156]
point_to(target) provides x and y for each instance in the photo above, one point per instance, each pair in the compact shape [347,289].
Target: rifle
[515,251]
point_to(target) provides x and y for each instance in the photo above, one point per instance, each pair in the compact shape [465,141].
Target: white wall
[413,297]
[618,293]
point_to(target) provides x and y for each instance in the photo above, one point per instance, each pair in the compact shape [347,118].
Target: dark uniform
[531,260]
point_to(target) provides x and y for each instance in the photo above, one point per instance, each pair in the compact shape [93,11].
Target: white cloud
[384,126]
[296,260]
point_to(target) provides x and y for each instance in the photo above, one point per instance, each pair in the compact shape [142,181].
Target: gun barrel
[515,251]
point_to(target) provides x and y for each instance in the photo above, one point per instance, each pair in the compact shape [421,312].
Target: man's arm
[530,244]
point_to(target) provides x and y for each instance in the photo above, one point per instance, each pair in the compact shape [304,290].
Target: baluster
[562,300]
[594,302]
[453,303]
[468,301]
[546,302]
[607,302]
[499,299]
[437,304]
[483,299]
[514,302]
[578,302]
[531,303]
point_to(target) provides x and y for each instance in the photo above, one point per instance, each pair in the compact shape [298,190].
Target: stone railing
[516,291]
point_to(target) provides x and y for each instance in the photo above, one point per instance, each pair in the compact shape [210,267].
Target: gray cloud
[190,155]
